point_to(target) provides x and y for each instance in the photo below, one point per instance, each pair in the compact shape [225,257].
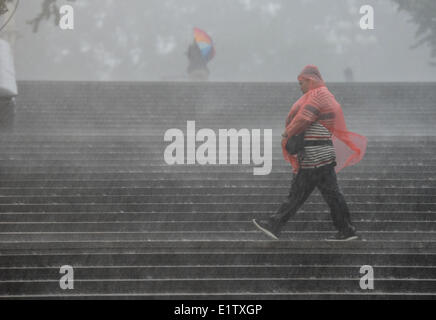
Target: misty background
[255,40]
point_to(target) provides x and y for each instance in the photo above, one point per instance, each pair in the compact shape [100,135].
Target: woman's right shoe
[266,228]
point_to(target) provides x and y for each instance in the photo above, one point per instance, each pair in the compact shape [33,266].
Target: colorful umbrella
[205,43]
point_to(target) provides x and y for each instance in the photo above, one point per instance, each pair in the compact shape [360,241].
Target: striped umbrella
[205,43]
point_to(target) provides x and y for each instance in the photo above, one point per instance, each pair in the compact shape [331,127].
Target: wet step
[208,226]
[204,207]
[281,191]
[230,122]
[145,131]
[140,147]
[36,166]
[11,139]
[144,236]
[226,245]
[214,272]
[140,130]
[168,115]
[228,216]
[285,182]
[232,296]
[159,155]
[207,198]
[217,175]
[105,165]
[205,286]
[224,259]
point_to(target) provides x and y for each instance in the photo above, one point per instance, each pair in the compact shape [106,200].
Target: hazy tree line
[108,44]
[422,13]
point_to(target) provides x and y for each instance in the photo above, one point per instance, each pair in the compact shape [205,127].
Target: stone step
[195,235]
[206,112]
[237,169]
[230,120]
[132,116]
[216,123]
[158,164]
[191,106]
[206,226]
[176,216]
[379,191]
[156,156]
[294,245]
[330,257]
[208,198]
[140,131]
[216,183]
[113,272]
[159,156]
[111,139]
[243,104]
[255,101]
[156,160]
[205,206]
[156,129]
[207,286]
[259,296]
[104,165]
[159,148]
[216,175]
[160,129]
[101,147]
[71,143]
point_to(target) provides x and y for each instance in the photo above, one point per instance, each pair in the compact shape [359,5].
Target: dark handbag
[295,144]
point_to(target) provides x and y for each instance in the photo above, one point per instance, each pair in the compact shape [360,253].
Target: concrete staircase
[83,183]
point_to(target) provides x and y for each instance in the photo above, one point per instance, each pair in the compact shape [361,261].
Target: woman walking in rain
[318,145]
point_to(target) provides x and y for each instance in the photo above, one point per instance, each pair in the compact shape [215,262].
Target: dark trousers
[303,184]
